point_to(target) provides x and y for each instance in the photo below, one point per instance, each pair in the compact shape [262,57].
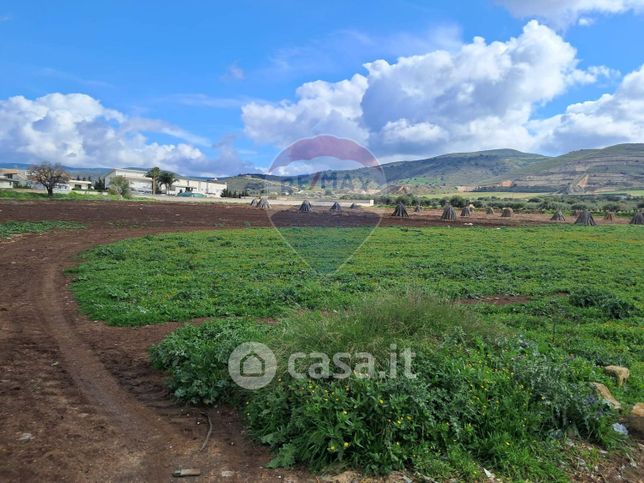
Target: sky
[220,88]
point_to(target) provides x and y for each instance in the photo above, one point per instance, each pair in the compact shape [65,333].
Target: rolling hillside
[615,167]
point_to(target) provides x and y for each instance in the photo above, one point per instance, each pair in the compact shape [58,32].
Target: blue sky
[212,87]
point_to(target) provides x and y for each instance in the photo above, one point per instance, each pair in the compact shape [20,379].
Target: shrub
[197,358]
[120,186]
[457,201]
[612,306]
[481,397]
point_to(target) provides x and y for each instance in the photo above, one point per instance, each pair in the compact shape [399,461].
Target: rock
[186,472]
[621,374]
[635,420]
[489,475]
[620,428]
[26,437]
[605,394]
[227,474]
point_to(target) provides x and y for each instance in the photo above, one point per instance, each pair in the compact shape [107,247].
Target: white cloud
[562,13]
[229,161]
[77,130]
[585,21]
[611,119]
[322,107]
[481,96]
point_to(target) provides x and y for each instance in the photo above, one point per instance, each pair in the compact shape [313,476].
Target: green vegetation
[480,396]
[252,272]
[120,186]
[482,168]
[24,195]
[500,386]
[10,228]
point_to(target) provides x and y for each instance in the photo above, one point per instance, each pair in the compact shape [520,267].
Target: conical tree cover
[448,213]
[254,202]
[354,206]
[418,209]
[507,213]
[400,211]
[489,210]
[336,207]
[305,207]
[466,211]
[263,203]
[585,218]
[558,216]
[638,218]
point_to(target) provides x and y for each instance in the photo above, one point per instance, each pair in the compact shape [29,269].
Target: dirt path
[85,393]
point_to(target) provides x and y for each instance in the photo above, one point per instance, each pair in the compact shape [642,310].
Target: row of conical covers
[584,217]
[307,207]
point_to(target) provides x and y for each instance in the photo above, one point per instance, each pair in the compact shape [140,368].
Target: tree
[48,175]
[154,174]
[99,184]
[119,185]
[167,178]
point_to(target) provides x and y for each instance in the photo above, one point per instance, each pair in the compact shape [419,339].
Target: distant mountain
[460,168]
[615,167]
[611,168]
[448,170]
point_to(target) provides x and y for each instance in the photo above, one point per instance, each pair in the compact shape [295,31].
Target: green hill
[614,167]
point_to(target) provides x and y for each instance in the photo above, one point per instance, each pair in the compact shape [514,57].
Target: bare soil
[78,399]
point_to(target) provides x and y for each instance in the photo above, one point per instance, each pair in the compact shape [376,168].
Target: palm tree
[154,173]
[167,178]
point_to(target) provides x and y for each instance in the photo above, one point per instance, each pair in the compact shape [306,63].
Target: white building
[80,185]
[6,182]
[10,178]
[141,184]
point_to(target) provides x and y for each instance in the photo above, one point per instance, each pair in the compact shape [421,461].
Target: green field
[252,272]
[28,195]
[473,195]
[581,309]
[10,228]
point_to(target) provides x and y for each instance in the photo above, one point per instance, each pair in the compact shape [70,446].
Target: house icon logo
[252,365]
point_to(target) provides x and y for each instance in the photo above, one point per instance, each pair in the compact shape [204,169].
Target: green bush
[481,397]
[197,358]
[612,306]
[120,186]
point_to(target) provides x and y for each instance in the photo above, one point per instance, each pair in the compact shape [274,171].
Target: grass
[27,195]
[253,273]
[480,397]
[10,228]
[473,195]
[501,385]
